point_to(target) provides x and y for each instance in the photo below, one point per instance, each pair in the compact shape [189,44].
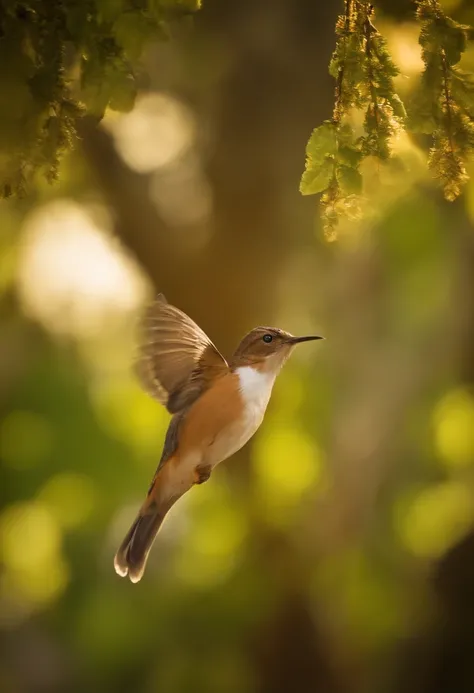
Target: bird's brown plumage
[177,361]
[176,364]
[180,366]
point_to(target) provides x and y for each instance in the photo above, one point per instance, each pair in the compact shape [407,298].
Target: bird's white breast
[255,390]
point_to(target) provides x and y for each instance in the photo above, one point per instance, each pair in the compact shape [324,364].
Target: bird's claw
[202,473]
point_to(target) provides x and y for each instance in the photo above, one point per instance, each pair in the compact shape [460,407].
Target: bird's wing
[177,361]
[171,443]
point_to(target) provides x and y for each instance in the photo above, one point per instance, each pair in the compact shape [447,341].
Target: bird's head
[267,348]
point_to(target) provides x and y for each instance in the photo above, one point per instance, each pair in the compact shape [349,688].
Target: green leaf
[95,90]
[123,94]
[317,178]
[349,179]
[349,156]
[320,150]
[322,142]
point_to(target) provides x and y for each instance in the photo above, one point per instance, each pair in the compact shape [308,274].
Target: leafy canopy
[443,107]
[61,60]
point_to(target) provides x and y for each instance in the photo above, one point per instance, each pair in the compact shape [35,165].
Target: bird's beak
[298,340]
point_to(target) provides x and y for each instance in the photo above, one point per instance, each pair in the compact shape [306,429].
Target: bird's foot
[202,473]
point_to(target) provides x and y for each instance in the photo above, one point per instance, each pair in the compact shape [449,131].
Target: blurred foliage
[61,60]
[442,106]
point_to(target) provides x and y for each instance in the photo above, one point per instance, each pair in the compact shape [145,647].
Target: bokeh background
[335,553]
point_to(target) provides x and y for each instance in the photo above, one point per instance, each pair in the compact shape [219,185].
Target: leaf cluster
[61,59]
[444,105]
[364,72]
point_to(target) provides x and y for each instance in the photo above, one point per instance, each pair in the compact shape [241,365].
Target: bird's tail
[132,555]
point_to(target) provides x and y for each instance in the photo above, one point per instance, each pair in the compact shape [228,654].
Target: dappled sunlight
[383,185]
[129,414]
[70,498]
[450,5]
[158,131]
[405,49]
[433,519]
[411,155]
[29,536]
[386,184]
[453,422]
[30,549]
[183,198]
[287,464]
[72,276]
[312,556]
[158,137]
[208,552]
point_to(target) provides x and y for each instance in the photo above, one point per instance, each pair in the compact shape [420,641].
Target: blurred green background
[335,553]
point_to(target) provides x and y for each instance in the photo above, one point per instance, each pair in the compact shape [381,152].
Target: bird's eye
[267,338]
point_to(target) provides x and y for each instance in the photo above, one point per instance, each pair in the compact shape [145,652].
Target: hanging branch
[364,73]
[444,105]
[385,112]
[62,60]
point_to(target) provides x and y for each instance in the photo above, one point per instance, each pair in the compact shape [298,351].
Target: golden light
[30,546]
[154,134]
[403,45]
[29,535]
[435,518]
[72,276]
[183,197]
[454,428]
[287,463]
[450,5]
[70,498]
[209,551]
[141,423]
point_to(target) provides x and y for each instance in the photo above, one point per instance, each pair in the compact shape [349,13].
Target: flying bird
[216,408]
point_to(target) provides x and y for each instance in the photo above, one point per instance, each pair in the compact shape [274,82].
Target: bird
[216,407]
